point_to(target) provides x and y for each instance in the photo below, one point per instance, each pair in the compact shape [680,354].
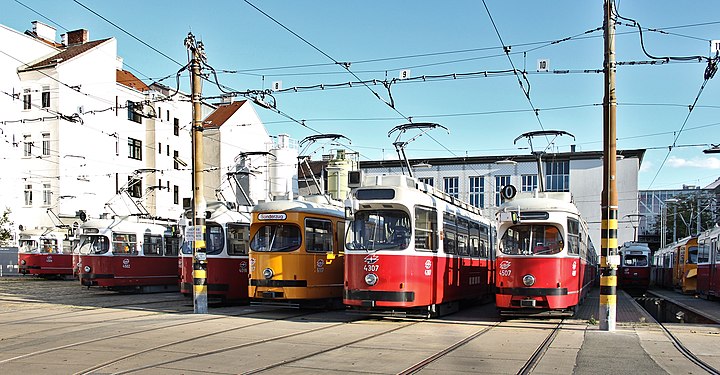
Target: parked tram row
[690,265]
[396,245]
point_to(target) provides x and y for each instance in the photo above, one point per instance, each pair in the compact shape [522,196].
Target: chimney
[77,37]
[44,31]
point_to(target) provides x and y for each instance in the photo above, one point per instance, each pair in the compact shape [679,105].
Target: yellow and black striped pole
[609,226]
[200,299]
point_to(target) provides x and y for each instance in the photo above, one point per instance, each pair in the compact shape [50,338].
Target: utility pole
[200,299]
[609,258]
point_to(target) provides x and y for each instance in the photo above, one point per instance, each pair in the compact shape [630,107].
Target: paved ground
[59,327]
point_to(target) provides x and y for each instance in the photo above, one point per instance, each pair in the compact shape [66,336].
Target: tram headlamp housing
[268,273]
[87,269]
[371,279]
[528,280]
[23,262]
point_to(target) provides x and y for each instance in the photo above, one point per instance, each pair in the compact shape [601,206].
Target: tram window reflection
[532,240]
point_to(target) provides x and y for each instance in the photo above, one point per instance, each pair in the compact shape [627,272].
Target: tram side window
[172,246]
[152,245]
[573,236]
[716,249]
[474,243]
[214,239]
[703,253]
[318,235]
[484,242]
[425,229]
[48,245]
[692,255]
[238,239]
[450,232]
[462,237]
[124,243]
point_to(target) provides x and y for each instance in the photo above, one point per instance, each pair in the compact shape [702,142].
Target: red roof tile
[222,114]
[126,78]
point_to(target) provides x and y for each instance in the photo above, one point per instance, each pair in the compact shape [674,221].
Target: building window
[176,126]
[27,99]
[167,150]
[176,165]
[47,194]
[28,194]
[452,187]
[159,114]
[134,149]
[46,144]
[168,114]
[27,145]
[500,182]
[477,191]
[45,97]
[160,148]
[426,180]
[135,187]
[557,175]
[133,113]
[529,182]
[176,194]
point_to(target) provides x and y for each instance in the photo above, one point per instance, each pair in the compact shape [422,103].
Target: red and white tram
[227,235]
[546,262]
[634,269]
[412,249]
[45,253]
[708,264]
[129,254]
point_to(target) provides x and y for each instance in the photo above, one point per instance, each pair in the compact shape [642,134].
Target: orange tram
[546,262]
[413,250]
[296,252]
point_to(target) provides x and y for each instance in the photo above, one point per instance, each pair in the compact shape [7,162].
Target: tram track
[687,353]
[540,351]
[139,331]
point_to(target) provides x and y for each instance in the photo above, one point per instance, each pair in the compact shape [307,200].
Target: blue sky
[381,38]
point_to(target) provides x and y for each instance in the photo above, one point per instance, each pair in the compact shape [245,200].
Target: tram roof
[544,201]
[307,204]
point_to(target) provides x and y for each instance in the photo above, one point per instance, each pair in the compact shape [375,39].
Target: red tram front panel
[128,271]
[227,277]
[556,282]
[45,264]
[408,281]
[634,277]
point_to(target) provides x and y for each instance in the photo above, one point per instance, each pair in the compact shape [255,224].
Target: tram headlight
[268,273]
[529,280]
[23,262]
[371,279]
[87,269]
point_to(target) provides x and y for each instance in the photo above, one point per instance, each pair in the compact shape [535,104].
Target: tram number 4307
[371,267]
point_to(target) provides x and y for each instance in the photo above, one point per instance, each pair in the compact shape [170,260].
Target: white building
[80,136]
[478,180]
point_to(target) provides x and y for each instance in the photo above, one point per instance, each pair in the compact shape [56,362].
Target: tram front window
[28,246]
[379,230]
[276,237]
[93,244]
[692,255]
[635,261]
[531,240]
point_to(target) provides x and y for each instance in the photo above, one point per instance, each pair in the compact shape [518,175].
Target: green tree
[682,214]
[5,225]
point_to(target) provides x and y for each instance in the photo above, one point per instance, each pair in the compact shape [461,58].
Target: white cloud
[708,163]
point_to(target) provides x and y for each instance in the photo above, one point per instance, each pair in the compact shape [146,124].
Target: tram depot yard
[58,327]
